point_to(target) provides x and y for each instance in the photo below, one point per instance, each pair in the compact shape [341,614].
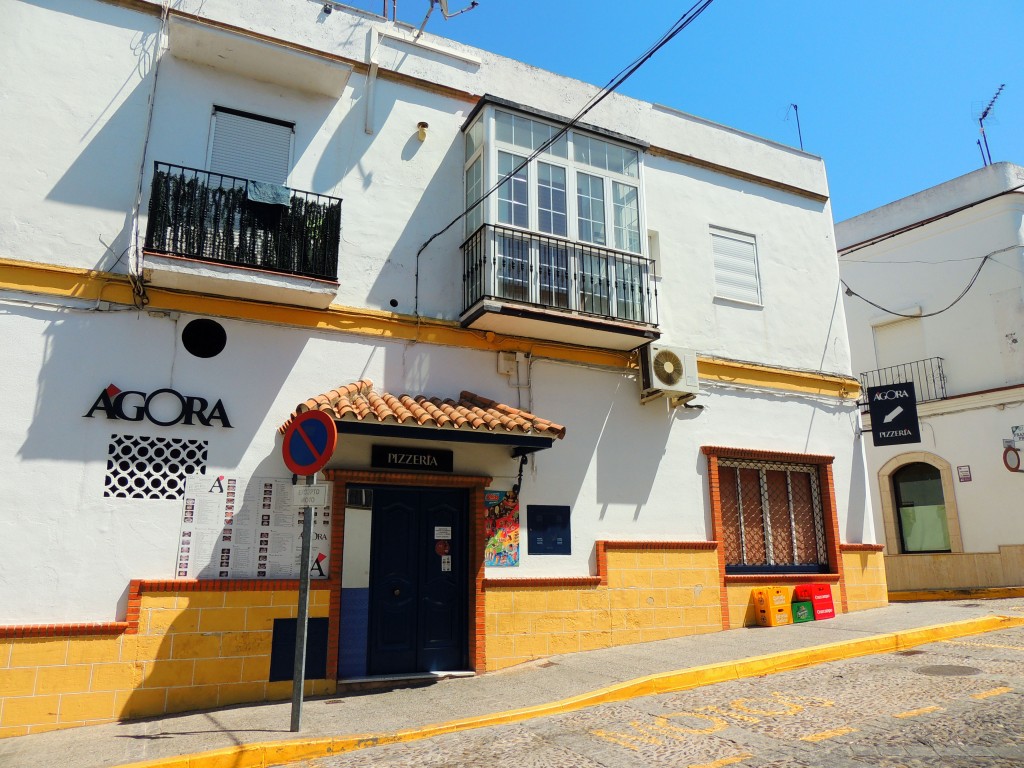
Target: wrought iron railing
[554,273]
[927,375]
[219,218]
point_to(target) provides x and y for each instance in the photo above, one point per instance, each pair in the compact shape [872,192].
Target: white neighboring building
[949,505]
[216,211]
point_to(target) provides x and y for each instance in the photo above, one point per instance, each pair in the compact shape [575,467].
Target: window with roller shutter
[250,146]
[736,274]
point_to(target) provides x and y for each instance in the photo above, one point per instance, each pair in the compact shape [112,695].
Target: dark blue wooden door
[418,598]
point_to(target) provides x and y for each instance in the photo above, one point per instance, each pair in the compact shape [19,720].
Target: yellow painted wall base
[193,650]
[650,595]
[866,583]
[958,570]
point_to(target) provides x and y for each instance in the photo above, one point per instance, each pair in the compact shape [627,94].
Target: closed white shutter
[250,147]
[735,267]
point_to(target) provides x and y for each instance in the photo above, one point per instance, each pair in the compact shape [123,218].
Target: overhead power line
[984,260]
[610,87]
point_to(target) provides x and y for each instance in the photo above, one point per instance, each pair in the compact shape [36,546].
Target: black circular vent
[204,338]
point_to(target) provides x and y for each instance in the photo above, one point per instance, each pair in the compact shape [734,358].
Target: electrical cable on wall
[977,272]
[614,84]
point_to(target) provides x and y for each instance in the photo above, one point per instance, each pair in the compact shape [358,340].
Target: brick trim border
[601,580]
[861,547]
[475,485]
[526,583]
[829,512]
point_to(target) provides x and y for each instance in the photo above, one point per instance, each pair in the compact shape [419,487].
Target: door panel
[418,610]
[393,604]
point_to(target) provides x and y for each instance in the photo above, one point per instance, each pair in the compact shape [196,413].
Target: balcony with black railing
[544,281]
[239,222]
[927,376]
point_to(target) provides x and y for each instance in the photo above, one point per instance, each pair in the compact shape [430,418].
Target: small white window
[736,275]
[250,147]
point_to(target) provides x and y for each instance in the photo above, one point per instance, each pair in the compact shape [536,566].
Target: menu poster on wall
[232,528]
[502,529]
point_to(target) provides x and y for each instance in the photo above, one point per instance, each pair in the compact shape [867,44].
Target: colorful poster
[502,529]
[237,529]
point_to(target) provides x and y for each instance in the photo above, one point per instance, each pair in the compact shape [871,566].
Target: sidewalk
[251,735]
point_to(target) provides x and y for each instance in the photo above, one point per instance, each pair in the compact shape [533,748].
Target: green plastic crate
[803,612]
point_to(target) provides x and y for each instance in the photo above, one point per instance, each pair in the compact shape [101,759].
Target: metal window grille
[772,516]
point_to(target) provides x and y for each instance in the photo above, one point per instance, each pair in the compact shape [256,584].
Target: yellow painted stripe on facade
[91,285]
[993,692]
[724,761]
[927,595]
[825,735]
[667,682]
[916,712]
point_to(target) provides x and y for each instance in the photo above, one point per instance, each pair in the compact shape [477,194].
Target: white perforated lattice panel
[140,467]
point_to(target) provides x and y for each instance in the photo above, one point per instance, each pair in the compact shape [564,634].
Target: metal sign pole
[299,677]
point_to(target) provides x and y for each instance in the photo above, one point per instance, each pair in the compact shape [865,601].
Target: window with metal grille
[771,517]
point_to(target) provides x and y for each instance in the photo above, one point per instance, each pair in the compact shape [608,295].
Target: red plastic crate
[820,595]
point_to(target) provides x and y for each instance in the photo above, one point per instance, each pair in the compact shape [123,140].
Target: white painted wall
[81,75]
[397,191]
[77,83]
[980,339]
[628,471]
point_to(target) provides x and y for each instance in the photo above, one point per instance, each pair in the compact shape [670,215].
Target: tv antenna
[444,12]
[986,155]
[799,133]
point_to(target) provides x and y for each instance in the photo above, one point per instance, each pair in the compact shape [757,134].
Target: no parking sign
[309,442]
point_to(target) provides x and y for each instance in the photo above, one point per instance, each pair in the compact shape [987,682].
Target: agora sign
[163,407]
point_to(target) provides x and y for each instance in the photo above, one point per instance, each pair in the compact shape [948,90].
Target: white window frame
[490,146]
[723,288]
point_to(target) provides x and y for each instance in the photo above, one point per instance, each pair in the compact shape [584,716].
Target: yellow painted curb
[980,593]
[271,753]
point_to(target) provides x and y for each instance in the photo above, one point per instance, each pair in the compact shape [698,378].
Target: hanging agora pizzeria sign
[163,407]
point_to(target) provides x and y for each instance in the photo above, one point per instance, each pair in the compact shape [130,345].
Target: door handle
[398,592]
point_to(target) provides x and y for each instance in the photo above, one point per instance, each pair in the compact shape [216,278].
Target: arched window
[920,508]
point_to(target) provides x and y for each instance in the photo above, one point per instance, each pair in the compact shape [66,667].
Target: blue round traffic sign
[309,442]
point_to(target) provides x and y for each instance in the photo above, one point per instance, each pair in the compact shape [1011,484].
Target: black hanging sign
[404,457]
[894,414]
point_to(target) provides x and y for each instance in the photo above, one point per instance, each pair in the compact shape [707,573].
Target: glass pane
[730,515]
[513,194]
[474,188]
[804,519]
[513,267]
[778,509]
[474,138]
[590,208]
[503,127]
[551,199]
[554,274]
[922,508]
[753,518]
[631,278]
[626,213]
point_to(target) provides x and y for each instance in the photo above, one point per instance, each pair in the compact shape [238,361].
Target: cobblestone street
[952,703]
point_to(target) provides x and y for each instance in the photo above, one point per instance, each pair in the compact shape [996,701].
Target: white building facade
[944,269]
[219,214]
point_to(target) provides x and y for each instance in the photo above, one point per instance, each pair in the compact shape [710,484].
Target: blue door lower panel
[355,608]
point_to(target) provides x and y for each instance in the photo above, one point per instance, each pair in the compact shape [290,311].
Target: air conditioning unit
[668,372]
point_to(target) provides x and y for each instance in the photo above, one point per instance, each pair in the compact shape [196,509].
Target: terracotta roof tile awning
[358,408]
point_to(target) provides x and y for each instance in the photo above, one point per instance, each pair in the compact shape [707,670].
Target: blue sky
[888,90]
